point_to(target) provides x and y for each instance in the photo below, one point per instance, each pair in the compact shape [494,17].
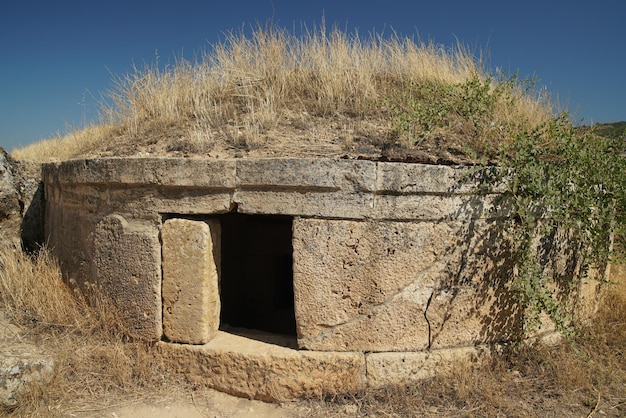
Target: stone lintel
[310,203]
[179,172]
[306,174]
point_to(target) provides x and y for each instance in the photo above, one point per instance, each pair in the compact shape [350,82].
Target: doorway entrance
[256,280]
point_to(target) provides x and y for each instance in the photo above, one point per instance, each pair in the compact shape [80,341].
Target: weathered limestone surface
[308,187]
[384,369]
[387,256]
[398,269]
[193,173]
[298,187]
[430,179]
[249,368]
[364,274]
[396,286]
[115,255]
[9,198]
[127,269]
[191,300]
[21,202]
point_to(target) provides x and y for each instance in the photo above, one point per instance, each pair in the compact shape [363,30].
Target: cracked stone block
[268,372]
[400,286]
[365,286]
[191,301]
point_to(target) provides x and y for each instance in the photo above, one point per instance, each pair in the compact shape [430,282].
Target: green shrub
[563,178]
[559,178]
[475,112]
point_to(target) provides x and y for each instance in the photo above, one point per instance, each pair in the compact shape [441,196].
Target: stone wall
[390,262]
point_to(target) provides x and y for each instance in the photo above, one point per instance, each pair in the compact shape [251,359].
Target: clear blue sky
[57,57]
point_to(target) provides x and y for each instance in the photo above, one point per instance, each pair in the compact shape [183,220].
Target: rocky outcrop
[9,197]
[21,364]
[21,202]
[21,221]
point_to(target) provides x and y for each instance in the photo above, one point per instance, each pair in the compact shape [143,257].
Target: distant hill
[615,130]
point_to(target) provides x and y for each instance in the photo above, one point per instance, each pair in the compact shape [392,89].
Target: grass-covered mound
[321,93]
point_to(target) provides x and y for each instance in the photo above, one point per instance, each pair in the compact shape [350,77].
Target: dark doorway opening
[256,283]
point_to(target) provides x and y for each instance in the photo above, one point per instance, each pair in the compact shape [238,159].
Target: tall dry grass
[31,291]
[71,145]
[93,361]
[252,87]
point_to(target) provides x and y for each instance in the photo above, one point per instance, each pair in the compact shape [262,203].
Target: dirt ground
[209,403]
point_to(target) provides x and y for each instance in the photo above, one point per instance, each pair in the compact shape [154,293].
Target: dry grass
[75,143]
[30,291]
[274,87]
[87,344]
[95,368]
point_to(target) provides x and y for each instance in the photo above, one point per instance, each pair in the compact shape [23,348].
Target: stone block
[431,179]
[310,203]
[420,179]
[306,174]
[191,300]
[307,187]
[127,269]
[365,286]
[215,174]
[424,207]
[384,369]
[256,370]
[401,286]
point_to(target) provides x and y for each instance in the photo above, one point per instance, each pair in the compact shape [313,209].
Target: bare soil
[309,136]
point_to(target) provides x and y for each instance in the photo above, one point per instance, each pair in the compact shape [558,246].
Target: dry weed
[31,291]
[74,144]
[93,358]
[247,90]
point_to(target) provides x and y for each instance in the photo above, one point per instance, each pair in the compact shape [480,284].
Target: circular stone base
[254,369]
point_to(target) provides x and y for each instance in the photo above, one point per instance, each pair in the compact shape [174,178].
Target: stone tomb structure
[279,278]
